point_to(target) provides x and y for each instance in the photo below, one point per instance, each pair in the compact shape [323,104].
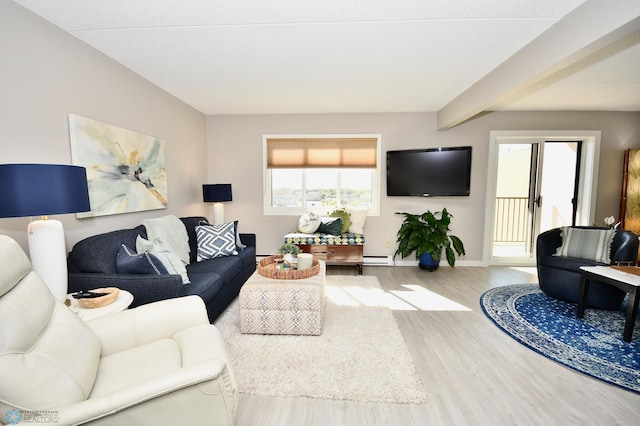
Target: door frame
[587,184]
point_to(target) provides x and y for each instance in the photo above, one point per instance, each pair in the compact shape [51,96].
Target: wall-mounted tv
[434,172]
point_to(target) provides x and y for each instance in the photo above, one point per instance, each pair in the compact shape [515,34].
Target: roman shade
[308,152]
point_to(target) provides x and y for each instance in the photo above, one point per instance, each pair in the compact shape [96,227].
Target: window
[320,172]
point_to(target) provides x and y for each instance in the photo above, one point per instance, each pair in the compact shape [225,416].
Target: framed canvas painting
[126,170]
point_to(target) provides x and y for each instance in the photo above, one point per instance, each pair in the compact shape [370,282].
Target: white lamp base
[49,255]
[218,213]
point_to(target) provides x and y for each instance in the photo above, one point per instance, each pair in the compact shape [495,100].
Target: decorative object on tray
[289,251]
[97,298]
[305,261]
[267,267]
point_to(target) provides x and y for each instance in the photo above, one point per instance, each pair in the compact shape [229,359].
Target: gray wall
[47,74]
[235,156]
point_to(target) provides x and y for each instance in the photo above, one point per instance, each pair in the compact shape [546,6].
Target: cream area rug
[360,356]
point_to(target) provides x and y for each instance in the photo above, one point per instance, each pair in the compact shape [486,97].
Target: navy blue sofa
[92,264]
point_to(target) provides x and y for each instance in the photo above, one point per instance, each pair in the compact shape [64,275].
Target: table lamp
[217,194]
[41,190]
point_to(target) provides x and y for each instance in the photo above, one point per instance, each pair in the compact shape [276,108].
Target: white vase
[289,258]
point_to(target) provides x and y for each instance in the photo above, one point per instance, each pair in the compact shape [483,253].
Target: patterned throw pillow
[592,244]
[169,259]
[216,240]
[239,244]
[130,262]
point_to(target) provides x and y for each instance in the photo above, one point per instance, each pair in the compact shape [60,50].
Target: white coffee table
[618,278]
[120,304]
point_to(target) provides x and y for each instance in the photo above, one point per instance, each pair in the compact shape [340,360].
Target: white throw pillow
[169,259]
[358,218]
[309,223]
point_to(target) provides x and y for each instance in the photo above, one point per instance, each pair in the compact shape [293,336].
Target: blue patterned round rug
[592,345]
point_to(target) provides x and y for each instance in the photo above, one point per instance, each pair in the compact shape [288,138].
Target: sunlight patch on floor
[526,269]
[427,300]
[339,296]
[363,296]
[416,298]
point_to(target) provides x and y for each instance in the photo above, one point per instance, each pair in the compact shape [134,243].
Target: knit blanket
[171,231]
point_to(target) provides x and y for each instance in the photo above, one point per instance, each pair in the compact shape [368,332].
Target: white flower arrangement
[609,221]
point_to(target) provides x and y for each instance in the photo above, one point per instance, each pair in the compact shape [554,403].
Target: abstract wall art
[126,170]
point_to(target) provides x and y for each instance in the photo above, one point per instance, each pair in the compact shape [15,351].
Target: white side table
[120,304]
[617,277]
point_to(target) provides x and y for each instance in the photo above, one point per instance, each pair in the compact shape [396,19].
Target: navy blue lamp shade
[216,193]
[42,189]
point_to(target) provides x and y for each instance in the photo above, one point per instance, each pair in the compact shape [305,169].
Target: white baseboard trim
[473,263]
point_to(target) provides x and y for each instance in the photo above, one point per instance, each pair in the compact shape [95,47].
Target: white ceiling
[341,56]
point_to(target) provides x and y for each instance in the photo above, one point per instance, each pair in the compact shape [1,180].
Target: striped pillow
[592,244]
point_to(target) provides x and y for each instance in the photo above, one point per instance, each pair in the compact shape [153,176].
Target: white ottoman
[270,306]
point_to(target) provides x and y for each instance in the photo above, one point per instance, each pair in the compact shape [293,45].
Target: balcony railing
[510,222]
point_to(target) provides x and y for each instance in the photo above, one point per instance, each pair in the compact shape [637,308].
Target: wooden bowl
[97,302]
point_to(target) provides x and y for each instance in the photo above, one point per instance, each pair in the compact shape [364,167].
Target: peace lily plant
[427,234]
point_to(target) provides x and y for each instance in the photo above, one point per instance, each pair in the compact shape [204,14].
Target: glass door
[536,190]
[515,203]
[560,184]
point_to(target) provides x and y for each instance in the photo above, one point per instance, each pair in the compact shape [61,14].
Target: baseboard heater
[378,260]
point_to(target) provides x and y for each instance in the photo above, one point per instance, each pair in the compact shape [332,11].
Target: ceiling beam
[592,28]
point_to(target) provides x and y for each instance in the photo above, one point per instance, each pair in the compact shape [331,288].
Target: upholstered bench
[342,249]
[271,306]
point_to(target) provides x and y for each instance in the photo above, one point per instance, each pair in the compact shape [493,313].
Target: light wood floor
[473,372]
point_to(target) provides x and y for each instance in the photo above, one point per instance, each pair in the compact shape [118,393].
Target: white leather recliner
[158,364]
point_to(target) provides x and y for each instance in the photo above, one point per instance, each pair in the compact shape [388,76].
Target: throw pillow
[330,225]
[592,244]
[237,232]
[309,223]
[358,218]
[170,260]
[130,262]
[238,242]
[216,240]
[345,216]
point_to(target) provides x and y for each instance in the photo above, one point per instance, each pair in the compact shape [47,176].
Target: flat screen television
[434,172]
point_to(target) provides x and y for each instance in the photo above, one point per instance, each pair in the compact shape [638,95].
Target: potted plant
[289,251]
[428,235]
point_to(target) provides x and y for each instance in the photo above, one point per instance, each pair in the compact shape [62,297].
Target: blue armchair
[559,276]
